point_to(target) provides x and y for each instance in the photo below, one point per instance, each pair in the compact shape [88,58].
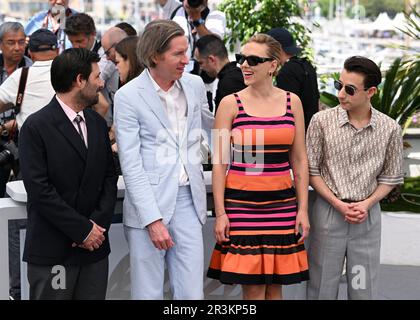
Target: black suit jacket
[299,76]
[67,186]
[231,81]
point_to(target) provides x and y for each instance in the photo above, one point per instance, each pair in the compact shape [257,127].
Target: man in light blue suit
[161,118]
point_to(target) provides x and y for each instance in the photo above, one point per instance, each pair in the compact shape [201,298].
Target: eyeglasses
[108,52]
[252,60]
[350,90]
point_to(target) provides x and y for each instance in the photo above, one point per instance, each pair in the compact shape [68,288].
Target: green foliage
[244,19]
[325,7]
[374,8]
[409,198]
[399,93]
[329,99]
[412,28]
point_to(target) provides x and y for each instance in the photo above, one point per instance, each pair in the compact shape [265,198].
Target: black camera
[9,153]
[195,3]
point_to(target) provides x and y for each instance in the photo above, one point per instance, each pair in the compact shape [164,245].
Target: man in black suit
[212,56]
[296,74]
[69,175]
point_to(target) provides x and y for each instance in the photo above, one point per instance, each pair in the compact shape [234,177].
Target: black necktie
[79,119]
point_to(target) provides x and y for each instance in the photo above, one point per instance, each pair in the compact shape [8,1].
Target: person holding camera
[37,91]
[197,20]
[12,46]
[27,90]
[54,20]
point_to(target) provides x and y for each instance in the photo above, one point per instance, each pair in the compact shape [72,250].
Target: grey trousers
[88,282]
[331,240]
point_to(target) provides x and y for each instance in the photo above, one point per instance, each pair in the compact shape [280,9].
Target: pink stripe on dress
[260,165]
[273,215]
[255,209]
[264,126]
[254,118]
[262,224]
[260,173]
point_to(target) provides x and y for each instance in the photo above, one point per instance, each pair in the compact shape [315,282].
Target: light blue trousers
[185,260]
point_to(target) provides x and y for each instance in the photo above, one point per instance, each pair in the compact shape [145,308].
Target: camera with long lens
[58,12]
[9,153]
[195,3]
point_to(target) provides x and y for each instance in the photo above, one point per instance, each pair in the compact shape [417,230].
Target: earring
[270,73]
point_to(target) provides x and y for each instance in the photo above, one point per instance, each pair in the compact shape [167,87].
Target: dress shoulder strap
[289,101]
[238,102]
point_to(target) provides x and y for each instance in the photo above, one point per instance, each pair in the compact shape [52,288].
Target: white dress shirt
[71,114]
[175,105]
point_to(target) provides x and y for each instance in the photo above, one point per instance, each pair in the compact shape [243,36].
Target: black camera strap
[174,12]
[21,90]
[192,36]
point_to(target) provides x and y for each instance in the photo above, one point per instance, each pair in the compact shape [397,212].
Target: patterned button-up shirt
[352,161]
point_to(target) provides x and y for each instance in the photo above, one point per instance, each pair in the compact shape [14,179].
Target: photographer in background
[54,20]
[197,20]
[167,7]
[36,91]
[12,46]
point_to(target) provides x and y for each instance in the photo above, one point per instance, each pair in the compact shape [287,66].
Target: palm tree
[399,94]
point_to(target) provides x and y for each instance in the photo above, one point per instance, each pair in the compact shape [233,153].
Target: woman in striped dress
[259,209]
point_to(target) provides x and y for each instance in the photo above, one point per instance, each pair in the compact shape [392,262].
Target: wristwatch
[198,22]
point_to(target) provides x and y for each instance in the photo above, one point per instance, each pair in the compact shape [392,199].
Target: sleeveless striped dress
[260,202]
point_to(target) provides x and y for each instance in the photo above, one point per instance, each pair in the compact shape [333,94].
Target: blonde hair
[155,40]
[273,47]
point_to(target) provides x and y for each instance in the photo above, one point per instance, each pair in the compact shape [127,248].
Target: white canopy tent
[382,23]
[399,22]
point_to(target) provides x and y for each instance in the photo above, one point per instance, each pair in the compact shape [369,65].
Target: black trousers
[4,178]
[88,282]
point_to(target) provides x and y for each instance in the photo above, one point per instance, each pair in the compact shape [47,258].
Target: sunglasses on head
[350,90]
[251,60]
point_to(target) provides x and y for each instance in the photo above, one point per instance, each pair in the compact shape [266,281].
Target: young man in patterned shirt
[355,159]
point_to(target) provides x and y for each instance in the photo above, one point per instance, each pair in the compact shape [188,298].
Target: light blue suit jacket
[151,155]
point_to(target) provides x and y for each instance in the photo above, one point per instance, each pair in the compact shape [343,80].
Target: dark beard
[88,101]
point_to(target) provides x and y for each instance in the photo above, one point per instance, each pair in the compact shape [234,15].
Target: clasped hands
[355,212]
[94,240]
